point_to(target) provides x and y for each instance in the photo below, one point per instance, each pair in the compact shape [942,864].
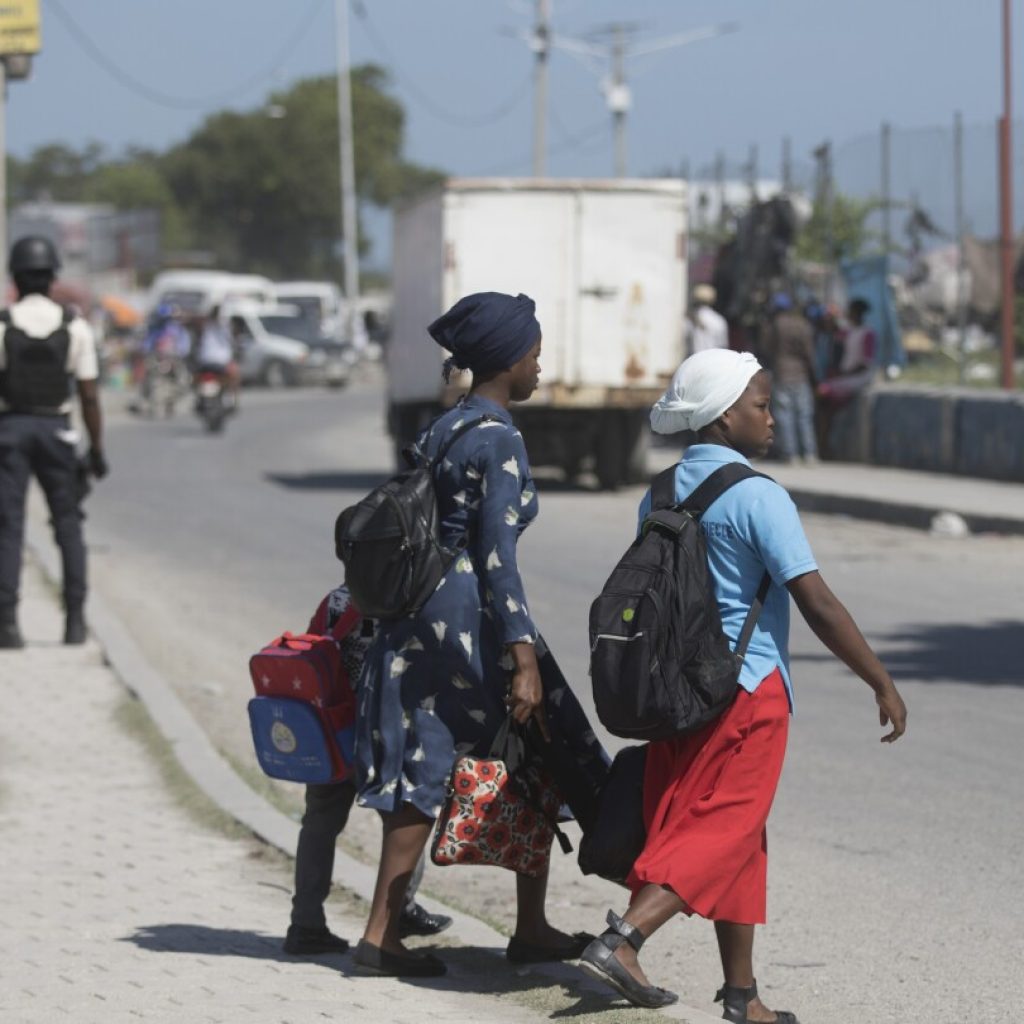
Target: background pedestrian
[46,352]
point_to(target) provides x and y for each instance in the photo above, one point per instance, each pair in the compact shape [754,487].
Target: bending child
[327,810]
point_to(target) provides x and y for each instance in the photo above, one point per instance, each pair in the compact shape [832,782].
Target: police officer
[45,351]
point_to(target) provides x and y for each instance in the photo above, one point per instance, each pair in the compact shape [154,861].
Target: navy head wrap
[487,332]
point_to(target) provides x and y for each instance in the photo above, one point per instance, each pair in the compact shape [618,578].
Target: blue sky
[806,69]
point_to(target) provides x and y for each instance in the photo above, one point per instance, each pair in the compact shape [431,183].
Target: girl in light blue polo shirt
[707,794]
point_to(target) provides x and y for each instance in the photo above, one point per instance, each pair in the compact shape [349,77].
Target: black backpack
[659,662]
[390,541]
[36,380]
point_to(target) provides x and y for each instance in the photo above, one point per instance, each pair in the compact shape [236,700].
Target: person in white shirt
[46,352]
[217,352]
[705,327]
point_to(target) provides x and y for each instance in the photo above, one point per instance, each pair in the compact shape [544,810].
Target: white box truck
[605,261]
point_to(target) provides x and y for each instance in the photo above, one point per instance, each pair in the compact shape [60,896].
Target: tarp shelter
[983,259]
[121,313]
[868,279]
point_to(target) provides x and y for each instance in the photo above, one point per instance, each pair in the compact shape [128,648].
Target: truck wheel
[636,443]
[610,453]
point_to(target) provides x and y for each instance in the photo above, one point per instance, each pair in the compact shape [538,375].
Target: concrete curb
[897,513]
[221,784]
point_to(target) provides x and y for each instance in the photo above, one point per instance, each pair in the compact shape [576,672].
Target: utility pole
[823,198]
[346,154]
[787,166]
[3,157]
[1006,205]
[886,188]
[619,97]
[617,52]
[20,39]
[541,44]
[752,160]
[961,279]
[720,187]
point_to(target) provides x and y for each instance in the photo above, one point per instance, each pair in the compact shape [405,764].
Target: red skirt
[706,802]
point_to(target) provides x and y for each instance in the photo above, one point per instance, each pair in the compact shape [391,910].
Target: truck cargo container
[605,261]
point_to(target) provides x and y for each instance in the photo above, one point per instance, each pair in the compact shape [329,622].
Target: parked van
[320,301]
[196,292]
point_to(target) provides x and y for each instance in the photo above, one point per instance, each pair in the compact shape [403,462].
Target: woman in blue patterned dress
[441,682]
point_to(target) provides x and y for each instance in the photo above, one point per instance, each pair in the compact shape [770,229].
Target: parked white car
[280,348]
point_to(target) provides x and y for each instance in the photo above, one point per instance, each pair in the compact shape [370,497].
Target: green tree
[137,183]
[847,226]
[262,192]
[53,171]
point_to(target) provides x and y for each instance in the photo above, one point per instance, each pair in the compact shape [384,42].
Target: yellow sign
[19,26]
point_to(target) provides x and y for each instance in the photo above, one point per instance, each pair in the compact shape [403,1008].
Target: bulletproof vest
[35,378]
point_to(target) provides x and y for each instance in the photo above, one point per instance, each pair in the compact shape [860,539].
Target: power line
[431,105]
[569,142]
[163,99]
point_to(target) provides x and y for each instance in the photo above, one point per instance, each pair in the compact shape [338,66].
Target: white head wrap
[703,387]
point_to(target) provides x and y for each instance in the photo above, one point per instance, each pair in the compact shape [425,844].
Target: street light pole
[886,188]
[616,89]
[1006,205]
[961,269]
[542,47]
[349,214]
[3,157]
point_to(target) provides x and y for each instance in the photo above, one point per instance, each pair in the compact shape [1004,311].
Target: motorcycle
[212,404]
[164,381]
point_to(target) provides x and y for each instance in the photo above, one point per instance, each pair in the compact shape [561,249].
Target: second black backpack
[660,664]
[390,541]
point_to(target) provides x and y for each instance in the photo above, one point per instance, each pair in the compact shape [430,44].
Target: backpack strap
[66,316]
[663,489]
[458,432]
[698,502]
[752,616]
[704,496]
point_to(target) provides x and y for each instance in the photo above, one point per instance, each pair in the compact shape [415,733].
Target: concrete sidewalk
[120,904]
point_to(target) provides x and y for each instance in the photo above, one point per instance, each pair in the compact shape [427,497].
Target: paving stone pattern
[118,906]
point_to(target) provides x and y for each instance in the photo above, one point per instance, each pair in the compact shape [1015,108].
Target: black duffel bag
[616,837]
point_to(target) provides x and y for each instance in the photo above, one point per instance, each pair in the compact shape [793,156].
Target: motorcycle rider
[45,351]
[216,353]
[166,338]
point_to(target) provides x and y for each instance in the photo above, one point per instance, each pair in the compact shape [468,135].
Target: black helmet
[33,252]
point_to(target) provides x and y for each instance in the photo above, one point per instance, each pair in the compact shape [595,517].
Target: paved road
[894,890]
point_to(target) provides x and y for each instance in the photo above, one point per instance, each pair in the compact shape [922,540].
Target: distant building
[101,247]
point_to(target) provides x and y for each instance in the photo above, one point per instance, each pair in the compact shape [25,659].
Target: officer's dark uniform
[36,388]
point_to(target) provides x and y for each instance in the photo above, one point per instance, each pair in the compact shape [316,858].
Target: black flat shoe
[415,920]
[398,965]
[10,636]
[519,952]
[313,941]
[734,1002]
[599,961]
[74,628]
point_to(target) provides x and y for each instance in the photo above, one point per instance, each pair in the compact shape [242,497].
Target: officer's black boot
[10,635]
[74,626]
